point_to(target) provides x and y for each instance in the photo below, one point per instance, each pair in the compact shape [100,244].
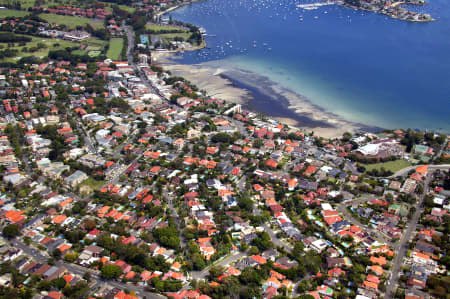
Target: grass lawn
[391,165]
[93,183]
[157,28]
[127,8]
[79,52]
[28,3]
[93,48]
[94,53]
[108,7]
[94,44]
[90,185]
[5,13]
[69,21]
[171,36]
[51,44]
[24,4]
[97,25]
[115,48]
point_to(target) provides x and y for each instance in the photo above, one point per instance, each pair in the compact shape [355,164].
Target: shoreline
[296,110]
[261,95]
[161,13]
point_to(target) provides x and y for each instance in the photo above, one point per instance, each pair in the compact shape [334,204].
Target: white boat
[312,6]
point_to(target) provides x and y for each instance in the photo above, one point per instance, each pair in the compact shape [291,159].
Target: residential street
[79,270]
[342,208]
[226,261]
[275,240]
[400,247]
[174,214]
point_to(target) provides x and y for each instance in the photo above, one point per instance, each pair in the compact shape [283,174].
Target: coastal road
[400,248]
[130,36]
[405,171]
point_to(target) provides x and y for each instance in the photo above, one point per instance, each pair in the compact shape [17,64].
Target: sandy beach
[210,79]
[258,93]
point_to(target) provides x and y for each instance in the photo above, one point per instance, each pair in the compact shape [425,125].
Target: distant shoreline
[408,18]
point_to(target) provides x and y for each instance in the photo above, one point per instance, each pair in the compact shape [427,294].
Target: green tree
[249,276]
[254,250]
[111,271]
[56,253]
[71,257]
[262,241]
[43,285]
[11,231]
[215,272]
[346,137]
[250,293]
[87,276]
[199,263]
[58,283]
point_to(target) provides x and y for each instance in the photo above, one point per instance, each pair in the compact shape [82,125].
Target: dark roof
[308,185]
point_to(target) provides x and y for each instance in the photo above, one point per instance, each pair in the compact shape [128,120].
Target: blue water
[362,66]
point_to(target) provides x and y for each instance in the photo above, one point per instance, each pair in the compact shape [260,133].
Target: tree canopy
[11,231]
[111,271]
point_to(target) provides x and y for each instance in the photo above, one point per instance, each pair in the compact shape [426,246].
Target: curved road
[225,261]
[405,171]
[342,208]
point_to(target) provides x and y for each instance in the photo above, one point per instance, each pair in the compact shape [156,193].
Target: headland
[391,9]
